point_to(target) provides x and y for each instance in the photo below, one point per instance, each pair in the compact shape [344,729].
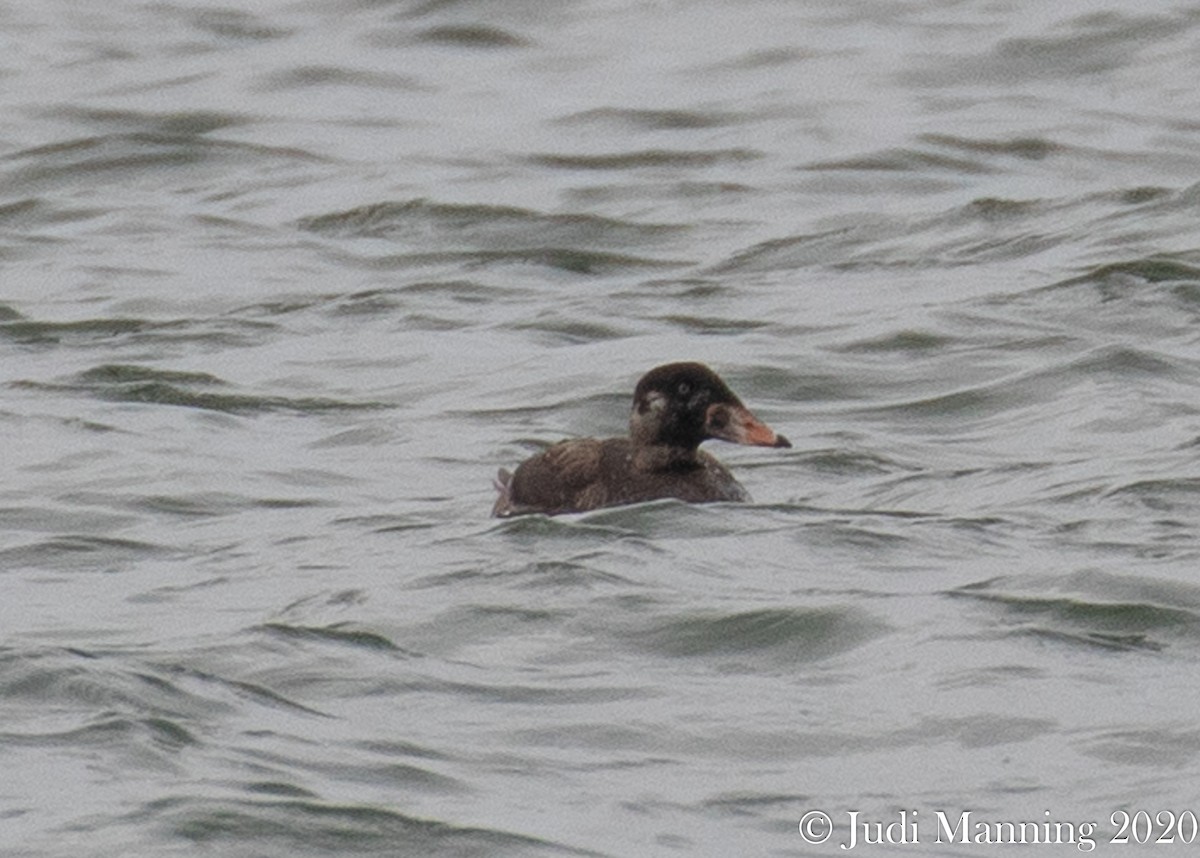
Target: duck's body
[574,476]
[675,408]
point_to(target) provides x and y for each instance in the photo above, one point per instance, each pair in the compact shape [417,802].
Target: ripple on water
[338,634]
[152,386]
[168,159]
[1160,747]
[84,684]
[774,637]
[651,120]
[470,36]
[1156,297]
[1095,609]
[1077,47]
[1115,364]
[291,827]
[135,332]
[668,158]
[231,25]
[175,123]
[984,231]
[84,553]
[308,76]
[545,576]
[482,236]
[1179,495]
[47,519]
[425,223]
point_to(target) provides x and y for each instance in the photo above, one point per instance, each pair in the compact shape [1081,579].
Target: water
[283,286]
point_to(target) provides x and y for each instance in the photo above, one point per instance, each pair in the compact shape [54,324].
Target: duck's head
[684,404]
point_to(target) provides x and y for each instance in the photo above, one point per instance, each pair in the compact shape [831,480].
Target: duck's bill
[738,425]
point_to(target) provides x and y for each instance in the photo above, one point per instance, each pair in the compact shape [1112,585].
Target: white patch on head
[646,416]
[656,402]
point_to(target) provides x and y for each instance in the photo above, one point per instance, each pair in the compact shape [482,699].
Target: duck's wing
[553,481]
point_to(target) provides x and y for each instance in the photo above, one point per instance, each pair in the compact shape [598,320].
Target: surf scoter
[675,408]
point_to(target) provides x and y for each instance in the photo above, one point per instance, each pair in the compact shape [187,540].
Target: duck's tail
[503,483]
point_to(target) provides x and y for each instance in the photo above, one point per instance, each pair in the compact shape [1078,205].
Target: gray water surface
[284,284]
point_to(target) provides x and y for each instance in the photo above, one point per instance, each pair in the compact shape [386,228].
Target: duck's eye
[684,388]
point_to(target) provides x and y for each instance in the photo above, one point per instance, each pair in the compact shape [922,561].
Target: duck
[676,407]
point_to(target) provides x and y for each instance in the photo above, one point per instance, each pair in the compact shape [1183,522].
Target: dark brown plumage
[675,408]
